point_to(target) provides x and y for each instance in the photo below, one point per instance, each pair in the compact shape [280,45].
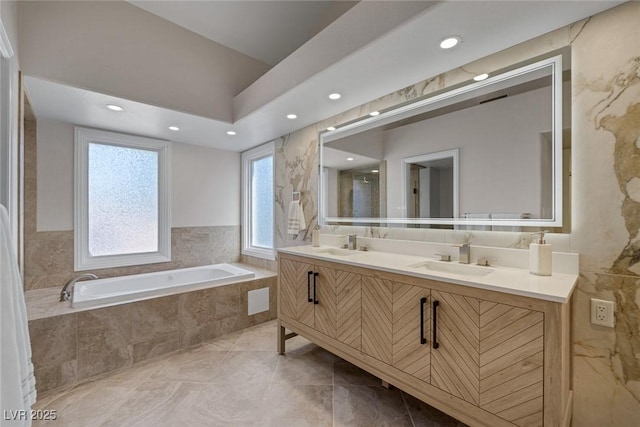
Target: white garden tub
[143,286]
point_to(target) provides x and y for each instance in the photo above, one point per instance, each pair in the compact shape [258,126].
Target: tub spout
[65,294]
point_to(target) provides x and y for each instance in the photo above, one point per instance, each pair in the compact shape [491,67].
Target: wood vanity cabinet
[487,358]
[323,298]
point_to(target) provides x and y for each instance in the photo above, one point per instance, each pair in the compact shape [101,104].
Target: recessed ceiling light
[350,159]
[481,77]
[450,42]
[374,171]
[174,128]
[374,113]
[231,132]
[331,128]
[114,107]
[335,96]
[291,116]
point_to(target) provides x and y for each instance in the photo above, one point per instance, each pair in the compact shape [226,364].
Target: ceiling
[265,30]
[372,49]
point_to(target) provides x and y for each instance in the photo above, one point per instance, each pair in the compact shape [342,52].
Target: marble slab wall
[72,348]
[605,200]
[48,257]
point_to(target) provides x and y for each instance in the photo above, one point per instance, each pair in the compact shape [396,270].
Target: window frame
[83,260]
[248,157]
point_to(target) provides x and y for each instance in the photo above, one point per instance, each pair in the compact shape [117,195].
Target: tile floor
[240,380]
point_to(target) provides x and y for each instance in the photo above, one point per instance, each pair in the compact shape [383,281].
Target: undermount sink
[336,252]
[454,268]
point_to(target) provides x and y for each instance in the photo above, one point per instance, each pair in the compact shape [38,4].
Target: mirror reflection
[486,155]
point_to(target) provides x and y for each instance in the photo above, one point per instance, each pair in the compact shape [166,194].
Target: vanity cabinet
[323,298]
[487,358]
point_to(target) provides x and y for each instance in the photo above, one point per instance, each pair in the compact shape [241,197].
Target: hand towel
[296,221]
[17,380]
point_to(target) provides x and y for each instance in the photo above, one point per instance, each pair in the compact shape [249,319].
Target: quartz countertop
[517,281]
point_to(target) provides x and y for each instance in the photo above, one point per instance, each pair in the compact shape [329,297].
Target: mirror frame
[444,98]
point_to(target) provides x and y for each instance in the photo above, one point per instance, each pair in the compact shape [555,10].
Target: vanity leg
[281,338]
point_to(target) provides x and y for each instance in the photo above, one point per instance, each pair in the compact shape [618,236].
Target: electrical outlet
[602,312]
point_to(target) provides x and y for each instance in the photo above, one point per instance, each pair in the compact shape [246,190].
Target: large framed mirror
[484,155]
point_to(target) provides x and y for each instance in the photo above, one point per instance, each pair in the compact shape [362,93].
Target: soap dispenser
[315,237]
[540,256]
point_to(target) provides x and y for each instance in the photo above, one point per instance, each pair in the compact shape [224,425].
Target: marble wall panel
[605,199]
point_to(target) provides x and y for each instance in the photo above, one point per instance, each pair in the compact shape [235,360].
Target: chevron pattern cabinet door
[511,363]
[455,364]
[377,312]
[409,353]
[293,291]
[349,309]
[325,310]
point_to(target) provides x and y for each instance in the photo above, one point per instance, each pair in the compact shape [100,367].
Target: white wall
[115,48]
[205,182]
[512,169]
[205,186]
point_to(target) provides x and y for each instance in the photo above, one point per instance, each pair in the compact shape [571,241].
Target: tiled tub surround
[605,60]
[73,345]
[49,254]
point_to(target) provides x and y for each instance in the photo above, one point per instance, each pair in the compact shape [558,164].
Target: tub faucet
[65,294]
[465,253]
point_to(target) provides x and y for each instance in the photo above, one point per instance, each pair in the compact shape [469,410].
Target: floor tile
[312,367]
[197,365]
[246,366]
[228,405]
[88,404]
[348,374]
[369,406]
[298,405]
[156,403]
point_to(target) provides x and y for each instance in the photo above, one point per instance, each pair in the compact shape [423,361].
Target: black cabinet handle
[436,303]
[423,301]
[309,273]
[315,284]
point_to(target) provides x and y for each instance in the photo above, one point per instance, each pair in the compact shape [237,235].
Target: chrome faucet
[465,253]
[65,294]
[352,242]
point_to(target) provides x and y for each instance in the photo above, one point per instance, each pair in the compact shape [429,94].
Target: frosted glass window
[123,200]
[258,198]
[262,202]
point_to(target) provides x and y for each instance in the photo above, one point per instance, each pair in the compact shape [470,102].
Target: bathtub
[142,286]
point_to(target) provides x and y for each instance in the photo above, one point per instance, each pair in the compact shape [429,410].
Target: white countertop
[557,287]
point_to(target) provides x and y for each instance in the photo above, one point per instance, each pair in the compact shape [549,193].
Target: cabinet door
[325,301]
[511,363]
[412,330]
[295,290]
[377,314]
[349,309]
[455,363]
